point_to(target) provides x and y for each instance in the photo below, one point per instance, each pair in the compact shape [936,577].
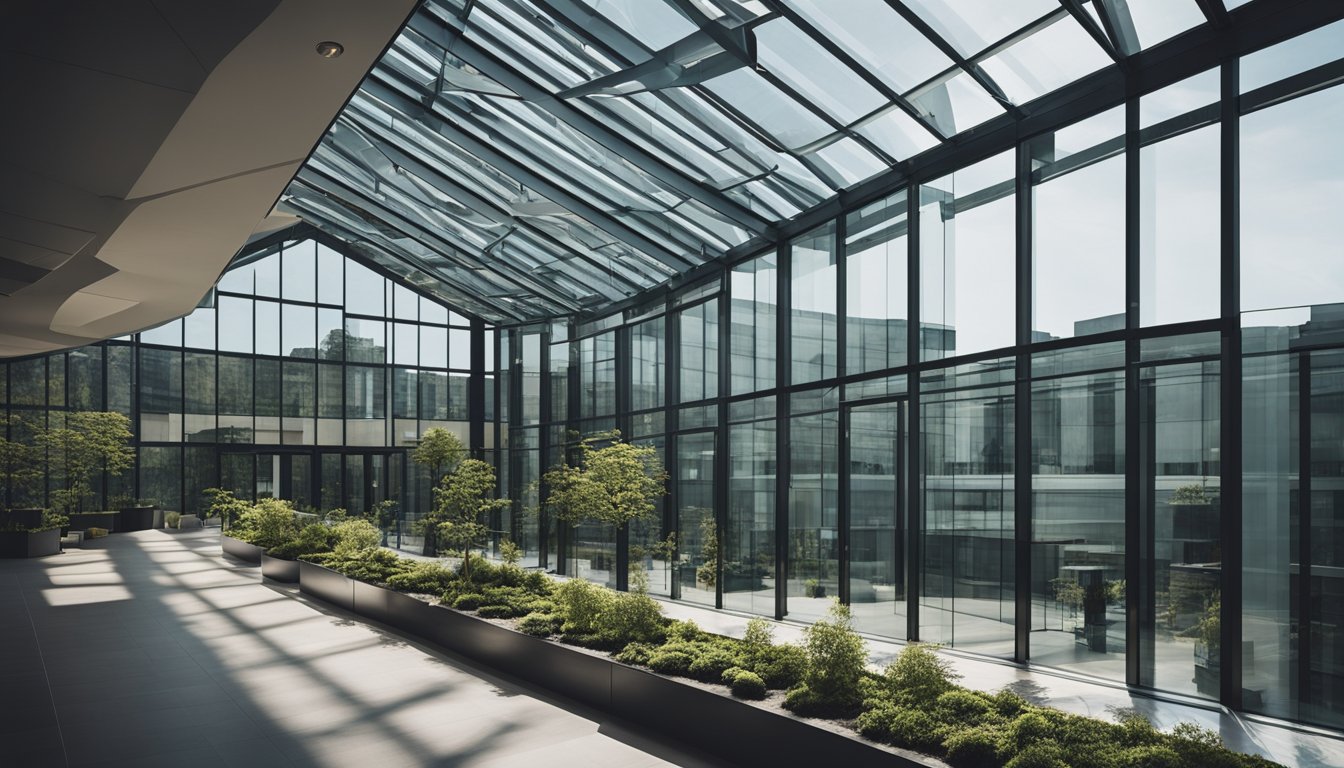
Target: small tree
[461,502]
[439,450]
[225,506]
[90,441]
[615,482]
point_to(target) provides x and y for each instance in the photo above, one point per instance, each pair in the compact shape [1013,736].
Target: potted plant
[22,541]
[268,523]
[438,450]
[137,514]
[172,521]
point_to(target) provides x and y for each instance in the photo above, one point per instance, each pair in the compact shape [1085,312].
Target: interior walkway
[149,649]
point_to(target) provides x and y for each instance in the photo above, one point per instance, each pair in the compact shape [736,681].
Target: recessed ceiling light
[329,49]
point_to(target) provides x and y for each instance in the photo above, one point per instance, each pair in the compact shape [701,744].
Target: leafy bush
[780,666]
[1042,754]
[630,616]
[744,684]
[710,664]
[1026,730]
[919,675]
[501,611]
[973,748]
[425,577]
[684,630]
[909,728]
[172,519]
[354,536]
[962,707]
[374,566]
[1009,704]
[636,654]
[582,604]
[1151,756]
[836,656]
[670,662]
[309,540]
[268,523]
[469,602]
[539,624]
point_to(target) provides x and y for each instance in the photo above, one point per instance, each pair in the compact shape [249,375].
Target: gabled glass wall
[1037,407]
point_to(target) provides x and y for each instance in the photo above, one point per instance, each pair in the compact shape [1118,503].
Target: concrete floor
[149,649]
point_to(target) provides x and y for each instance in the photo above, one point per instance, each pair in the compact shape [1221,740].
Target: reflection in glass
[699,351]
[814,534]
[697,537]
[1179,240]
[875,286]
[812,311]
[647,374]
[751,334]
[1078,524]
[877,551]
[749,540]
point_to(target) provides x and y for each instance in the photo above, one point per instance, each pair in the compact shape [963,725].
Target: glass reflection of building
[1077,401]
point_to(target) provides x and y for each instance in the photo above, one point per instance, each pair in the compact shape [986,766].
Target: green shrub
[909,728]
[836,657]
[539,624]
[372,566]
[424,577]
[780,666]
[268,523]
[535,582]
[630,617]
[500,612]
[469,602]
[919,675]
[354,536]
[747,685]
[1042,754]
[1202,747]
[684,630]
[709,665]
[760,636]
[973,748]
[670,662]
[962,707]
[1009,704]
[309,540]
[1027,729]
[635,653]
[582,604]
[1151,756]
[1137,730]
[172,519]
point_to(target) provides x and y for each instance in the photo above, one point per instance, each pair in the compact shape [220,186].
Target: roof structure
[541,158]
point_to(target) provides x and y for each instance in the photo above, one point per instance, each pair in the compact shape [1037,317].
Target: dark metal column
[1022,461]
[914,503]
[783,375]
[1133,290]
[622,373]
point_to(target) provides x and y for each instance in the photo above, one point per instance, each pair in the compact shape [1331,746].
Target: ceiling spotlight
[329,49]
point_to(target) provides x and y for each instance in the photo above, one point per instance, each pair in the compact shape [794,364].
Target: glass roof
[538,158]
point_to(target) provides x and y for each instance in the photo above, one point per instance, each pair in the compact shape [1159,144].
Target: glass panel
[813,73]
[648,375]
[968,580]
[1179,238]
[1179,501]
[297,338]
[363,290]
[813,504]
[1292,176]
[364,341]
[1078,264]
[1158,20]
[300,393]
[432,311]
[875,474]
[754,321]
[199,388]
[169,334]
[1179,98]
[869,30]
[1078,524]
[84,379]
[700,351]
[972,25]
[330,276]
[405,344]
[268,328]
[433,347]
[968,263]
[531,378]
[235,325]
[1304,52]
[749,540]
[267,275]
[405,302]
[200,328]
[559,382]
[697,537]
[198,473]
[1047,59]
[812,311]
[298,282]
[875,286]
[459,350]
[597,375]
[160,395]
[161,476]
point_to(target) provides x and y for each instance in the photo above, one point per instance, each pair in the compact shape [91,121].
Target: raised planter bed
[139,519]
[18,544]
[249,553]
[710,720]
[277,569]
[82,521]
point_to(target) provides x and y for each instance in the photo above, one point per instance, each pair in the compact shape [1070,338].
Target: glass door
[874,478]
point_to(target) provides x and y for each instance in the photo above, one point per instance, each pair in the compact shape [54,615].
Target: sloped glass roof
[548,157]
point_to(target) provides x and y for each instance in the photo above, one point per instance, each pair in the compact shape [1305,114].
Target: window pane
[405,344]
[363,290]
[330,275]
[754,318]
[298,332]
[235,325]
[647,373]
[299,279]
[1179,242]
[459,350]
[700,351]
[875,286]
[968,263]
[1292,178]
[433,347]
[268,328]
[812,312]
[200,328]
[814,535]
[330,336]
[267,275]
[749,540]
[364,341]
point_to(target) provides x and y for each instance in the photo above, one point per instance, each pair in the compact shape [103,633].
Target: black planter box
[139,519]
[276,569]
[82,521]
[23,518]
[709,720]
[16,544]
[248,553]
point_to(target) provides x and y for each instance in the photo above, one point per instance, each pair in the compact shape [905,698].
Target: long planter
[249,553]
[82,521]
[709,720]
[16,544]
[139,519]
[24,518]
[276,569]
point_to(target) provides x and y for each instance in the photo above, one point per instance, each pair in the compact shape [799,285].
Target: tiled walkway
[149,649]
